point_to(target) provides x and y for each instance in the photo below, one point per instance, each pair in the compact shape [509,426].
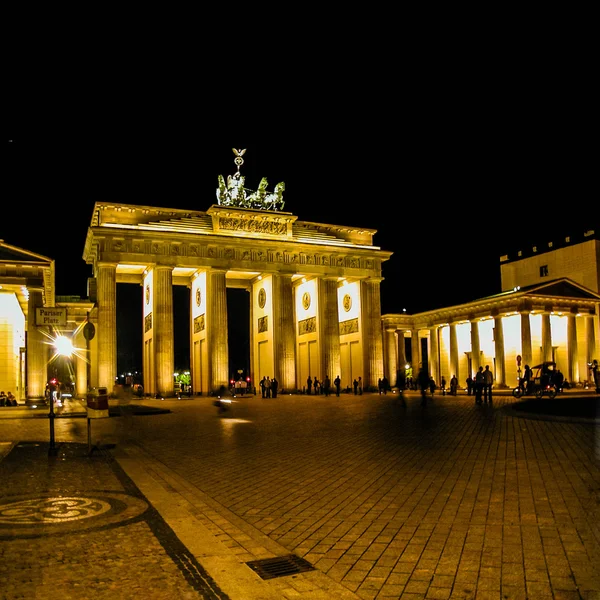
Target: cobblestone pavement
[381,497]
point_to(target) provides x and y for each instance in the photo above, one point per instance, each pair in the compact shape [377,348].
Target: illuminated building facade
[314,293]
[31,318]
[547,311]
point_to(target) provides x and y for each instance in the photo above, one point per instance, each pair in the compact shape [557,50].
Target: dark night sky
[447,190]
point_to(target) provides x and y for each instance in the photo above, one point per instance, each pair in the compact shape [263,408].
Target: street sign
[51,316]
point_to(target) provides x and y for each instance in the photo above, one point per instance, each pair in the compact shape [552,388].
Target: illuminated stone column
[372,335]
[218,348]
[37,370]
[415,350]
[500,374]
[590,337]
[526,339]
[572,362]
[454,353]
[107,325]
[546,337]
[391,354]
[475,347]
[81,382]
[329,329]
[433,356]
[283,331]
[401,353]
[164,357]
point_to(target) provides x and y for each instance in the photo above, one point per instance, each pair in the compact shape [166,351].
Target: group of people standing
[268,387]
[481,385]
[323,387]
[8,399]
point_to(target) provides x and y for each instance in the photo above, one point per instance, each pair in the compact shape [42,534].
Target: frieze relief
[307,326]
[199,323]
[263,324]
[252,226]
[147,322]
[349,326]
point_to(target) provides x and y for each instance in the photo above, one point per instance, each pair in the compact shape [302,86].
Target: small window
[544,271]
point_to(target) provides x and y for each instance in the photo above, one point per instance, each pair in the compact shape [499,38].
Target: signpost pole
[51,416]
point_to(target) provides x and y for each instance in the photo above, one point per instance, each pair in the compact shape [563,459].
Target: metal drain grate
[280,566]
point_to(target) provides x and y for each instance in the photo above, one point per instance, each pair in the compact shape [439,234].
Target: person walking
[267,387]
[479,382]
[308,385]
[263,389]
[423,381]
[317,386]
[327,385]
[355,386]
[443,386]
[360,386]
[526,381]
[453,385]
[488,381]
[274,386]
[470,383]
[338,384]
[596,375]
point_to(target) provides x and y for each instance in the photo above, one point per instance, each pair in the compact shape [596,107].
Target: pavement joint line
[229,573]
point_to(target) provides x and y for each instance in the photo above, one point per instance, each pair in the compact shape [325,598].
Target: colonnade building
[547,311]
[315,306]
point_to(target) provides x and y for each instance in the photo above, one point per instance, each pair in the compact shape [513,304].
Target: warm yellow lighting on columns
[216,324]
[284,335]
[526,349]
[163,329]
[36,352]
[572,363]
[500,374]
[107,325]
[546,337]
[370,308]
[475,347]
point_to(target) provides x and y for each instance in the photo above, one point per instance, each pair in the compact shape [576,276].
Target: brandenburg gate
[314,289]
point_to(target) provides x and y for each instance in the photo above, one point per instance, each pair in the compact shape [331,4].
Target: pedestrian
[317,386]
[360,386]
[423,382]
[443,386]
[401,381]
[470,383]
[453,385]
[526,381]
[431,386]
[308,385]
[596,375]
[488,381]
[274,386]
[355,386]
[267,387]
[385,384]
[380,385]
[263,390]
[479,382]
[558,380]
[338,384]
[327,385]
